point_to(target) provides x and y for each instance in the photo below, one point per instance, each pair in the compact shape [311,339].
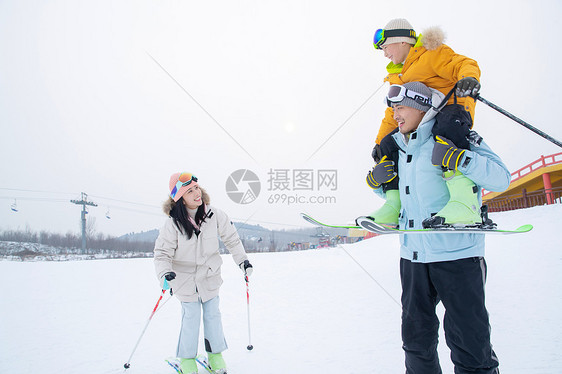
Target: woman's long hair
[178,212]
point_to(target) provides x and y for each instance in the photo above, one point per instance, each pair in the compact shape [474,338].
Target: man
[425,59]
[440,267]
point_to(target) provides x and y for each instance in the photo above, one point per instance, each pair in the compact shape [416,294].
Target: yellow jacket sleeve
[388,124]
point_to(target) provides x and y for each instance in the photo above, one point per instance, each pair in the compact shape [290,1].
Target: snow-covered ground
[319,311]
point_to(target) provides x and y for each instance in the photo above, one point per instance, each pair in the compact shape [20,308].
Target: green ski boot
[188,366]
[217,364]
[463,208]
[388,213]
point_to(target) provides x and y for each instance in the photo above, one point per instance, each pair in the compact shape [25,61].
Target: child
[186,255]
[424,59]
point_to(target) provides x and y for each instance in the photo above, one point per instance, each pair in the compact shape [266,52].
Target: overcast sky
[111,97]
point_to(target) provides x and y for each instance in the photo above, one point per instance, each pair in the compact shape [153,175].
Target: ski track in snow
[312,311]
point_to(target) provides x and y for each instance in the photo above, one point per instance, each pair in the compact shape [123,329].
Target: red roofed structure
[537,183]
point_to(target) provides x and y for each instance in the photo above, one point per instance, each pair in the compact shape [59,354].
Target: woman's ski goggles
[184,179]
[381,35]
[397,93]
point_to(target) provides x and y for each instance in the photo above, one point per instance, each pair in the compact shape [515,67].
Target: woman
[186,256]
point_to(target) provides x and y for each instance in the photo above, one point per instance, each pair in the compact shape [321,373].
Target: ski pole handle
[518,120]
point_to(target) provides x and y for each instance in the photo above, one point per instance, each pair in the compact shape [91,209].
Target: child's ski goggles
[397,93]
[382,34]
[184,179]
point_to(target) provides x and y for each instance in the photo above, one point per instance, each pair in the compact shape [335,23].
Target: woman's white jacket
[197,261]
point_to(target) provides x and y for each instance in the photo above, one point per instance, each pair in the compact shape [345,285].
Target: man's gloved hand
[468,86]
[170,276]
[383,172]
[446,154]
[246,267]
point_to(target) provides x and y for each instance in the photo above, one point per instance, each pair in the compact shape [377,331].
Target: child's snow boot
[188,366]
[388,213]
[463,208]
[217,364]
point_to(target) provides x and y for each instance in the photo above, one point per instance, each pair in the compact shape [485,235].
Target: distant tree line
[70,240]
[254,238]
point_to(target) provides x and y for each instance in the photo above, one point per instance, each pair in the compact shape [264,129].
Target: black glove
[376,154]
[383,172]
[446,154]
[246,267]
[168,277]
[468,86]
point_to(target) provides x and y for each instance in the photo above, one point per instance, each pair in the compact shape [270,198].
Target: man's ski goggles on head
[382,34]
[397,93]
[184,179]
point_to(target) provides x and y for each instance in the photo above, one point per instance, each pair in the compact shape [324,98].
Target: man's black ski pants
[459,285]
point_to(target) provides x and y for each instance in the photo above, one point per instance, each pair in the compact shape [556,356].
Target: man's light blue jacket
[423,191]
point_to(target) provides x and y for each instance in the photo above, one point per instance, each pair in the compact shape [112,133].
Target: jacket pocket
[209,242]
[214,281]
[187,249]
[213,277]
[185,285]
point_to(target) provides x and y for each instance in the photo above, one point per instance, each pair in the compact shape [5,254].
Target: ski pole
[518,120]
[250,346]
[128,363]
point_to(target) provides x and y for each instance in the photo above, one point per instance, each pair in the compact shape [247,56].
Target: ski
[315,222]
[201,360]
[377,228]
[175,364]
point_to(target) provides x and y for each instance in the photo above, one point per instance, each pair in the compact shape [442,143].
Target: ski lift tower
[84,201]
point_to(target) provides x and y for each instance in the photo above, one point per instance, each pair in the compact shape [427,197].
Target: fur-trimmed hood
[170,203]
[432,38]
